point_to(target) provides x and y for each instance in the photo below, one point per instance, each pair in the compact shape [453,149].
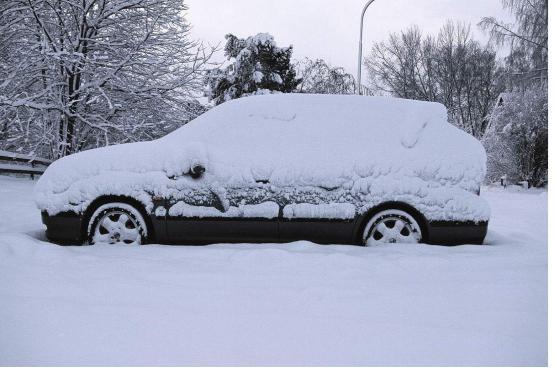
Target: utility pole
[361,47]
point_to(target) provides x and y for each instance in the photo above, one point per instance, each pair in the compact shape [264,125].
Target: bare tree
[528,38]
[451,68]
[466,73]
[320,78]
[404,66]
[80,74]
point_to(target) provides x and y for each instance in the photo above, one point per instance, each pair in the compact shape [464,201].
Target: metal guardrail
[17,163]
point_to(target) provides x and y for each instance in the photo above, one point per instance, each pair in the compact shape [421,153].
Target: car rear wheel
[117,223]
[392,226]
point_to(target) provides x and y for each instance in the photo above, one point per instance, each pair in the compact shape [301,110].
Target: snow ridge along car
[278,168]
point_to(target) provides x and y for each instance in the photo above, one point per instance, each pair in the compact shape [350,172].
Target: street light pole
[361,47]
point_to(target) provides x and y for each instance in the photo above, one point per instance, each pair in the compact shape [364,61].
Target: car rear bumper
[63,228]
[457,233]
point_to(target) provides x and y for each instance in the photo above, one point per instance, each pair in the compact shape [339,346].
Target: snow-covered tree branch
[517,139]
[529,36]
[80,74]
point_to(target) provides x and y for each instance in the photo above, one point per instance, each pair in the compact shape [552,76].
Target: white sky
[329,29]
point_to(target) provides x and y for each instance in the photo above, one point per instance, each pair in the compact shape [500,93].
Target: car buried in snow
[278,168]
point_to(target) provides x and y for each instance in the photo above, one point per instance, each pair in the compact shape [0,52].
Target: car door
[210,212]
[254,213]
[316,214]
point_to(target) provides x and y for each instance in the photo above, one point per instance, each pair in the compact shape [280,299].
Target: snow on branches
[517,137]
[82,74]
[255,66]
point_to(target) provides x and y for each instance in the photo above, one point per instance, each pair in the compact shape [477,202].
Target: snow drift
[366,149]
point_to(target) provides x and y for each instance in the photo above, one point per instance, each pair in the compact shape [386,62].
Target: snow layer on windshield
[369,148]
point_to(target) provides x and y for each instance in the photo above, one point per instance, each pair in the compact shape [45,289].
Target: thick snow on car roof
[313,122]
[291,136]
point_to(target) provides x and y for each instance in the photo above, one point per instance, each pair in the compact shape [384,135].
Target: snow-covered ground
[298,303]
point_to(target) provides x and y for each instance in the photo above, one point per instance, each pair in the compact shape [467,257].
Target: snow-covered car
[279,168]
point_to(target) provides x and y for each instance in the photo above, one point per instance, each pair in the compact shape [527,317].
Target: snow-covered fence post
[504,181]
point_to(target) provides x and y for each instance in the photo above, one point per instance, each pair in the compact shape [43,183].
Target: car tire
[117,223]
[392,226]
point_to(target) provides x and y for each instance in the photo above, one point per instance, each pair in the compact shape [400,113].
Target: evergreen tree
[256,66]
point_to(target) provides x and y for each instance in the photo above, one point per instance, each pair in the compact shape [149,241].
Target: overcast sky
[329,29]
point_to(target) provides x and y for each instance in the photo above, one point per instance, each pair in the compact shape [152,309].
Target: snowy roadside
[298,303]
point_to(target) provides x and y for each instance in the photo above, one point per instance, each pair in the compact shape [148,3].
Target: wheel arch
[392,205]
[100,201]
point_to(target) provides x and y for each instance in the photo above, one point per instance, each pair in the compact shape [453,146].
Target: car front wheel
[117,223]
[391,226]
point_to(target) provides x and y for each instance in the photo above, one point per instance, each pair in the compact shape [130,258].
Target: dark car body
[70,228]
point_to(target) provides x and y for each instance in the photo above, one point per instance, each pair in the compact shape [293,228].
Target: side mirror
[197,171]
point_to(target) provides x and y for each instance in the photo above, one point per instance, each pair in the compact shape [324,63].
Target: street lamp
[361,47]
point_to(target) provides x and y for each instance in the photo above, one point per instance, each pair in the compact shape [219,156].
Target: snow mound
[361,149]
